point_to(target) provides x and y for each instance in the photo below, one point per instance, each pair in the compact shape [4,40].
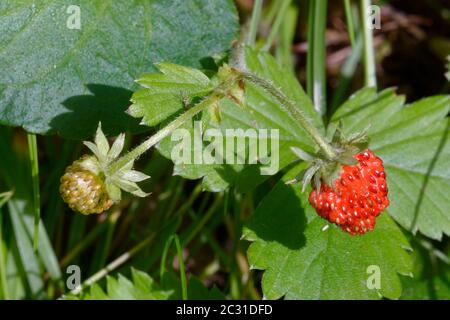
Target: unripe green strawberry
[83,190]
[357,197]
[95,182]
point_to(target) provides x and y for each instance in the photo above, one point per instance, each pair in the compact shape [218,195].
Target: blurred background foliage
[411,54]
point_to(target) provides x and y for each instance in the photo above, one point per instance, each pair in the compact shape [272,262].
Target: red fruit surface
[360,194]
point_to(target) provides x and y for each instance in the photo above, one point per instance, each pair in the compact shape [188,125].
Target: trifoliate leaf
[167,92]
[305,257]
[66,65]
[413,141]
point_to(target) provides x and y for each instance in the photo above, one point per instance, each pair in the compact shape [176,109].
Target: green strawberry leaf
[413,142]
[165,93]
[57,78]
[261,111]
[305,257]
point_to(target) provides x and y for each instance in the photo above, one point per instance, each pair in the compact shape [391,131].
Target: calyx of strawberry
[324,169]
[92,184]
[349,188]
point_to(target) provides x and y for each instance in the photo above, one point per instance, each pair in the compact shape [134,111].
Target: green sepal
[123,178]
[114,192]
[101,141]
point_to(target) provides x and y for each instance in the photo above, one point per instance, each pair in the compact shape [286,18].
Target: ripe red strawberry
[358,197]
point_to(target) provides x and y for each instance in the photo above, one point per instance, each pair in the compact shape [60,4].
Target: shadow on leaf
[106,104]
[423,190]
[280,217]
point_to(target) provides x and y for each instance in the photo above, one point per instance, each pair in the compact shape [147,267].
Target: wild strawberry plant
[341,194]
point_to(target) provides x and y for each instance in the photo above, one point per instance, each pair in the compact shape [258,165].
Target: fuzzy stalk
[292,109]
[213,97]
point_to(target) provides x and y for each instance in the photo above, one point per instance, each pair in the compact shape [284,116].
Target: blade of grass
[26,263]
[347,72]
[33,155]
[316,72]
[77,231]
[45,249]
[370,78]
[28,259]
[4,197]
[350,25]
[235,231]
[182,268]
[15,173]
[3,253]
[16,276]
[162,269]
[53,169]
[85,242]
[103,248]
[254,22]
[286,36]
[270,13]
[208,239]
[194,229]
[276,25]
[148,259]
[113,265]
[123,258]
[350,65]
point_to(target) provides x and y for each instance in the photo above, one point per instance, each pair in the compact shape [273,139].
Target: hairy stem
[292,109]
[217,94]
[213,97]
